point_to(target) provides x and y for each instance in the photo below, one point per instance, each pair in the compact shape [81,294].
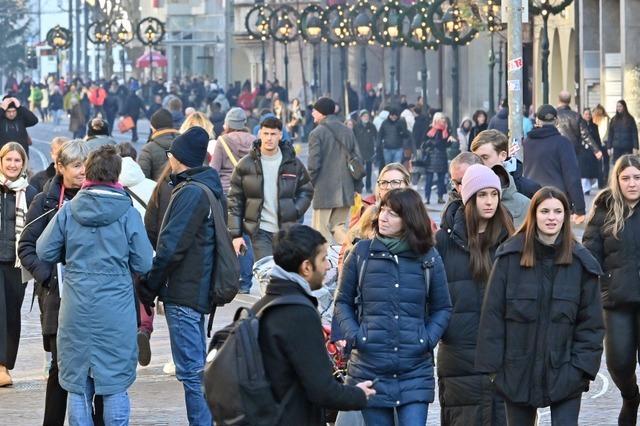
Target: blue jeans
[413,414]
[116,407]
[393,155]
[246,266]
[187,338]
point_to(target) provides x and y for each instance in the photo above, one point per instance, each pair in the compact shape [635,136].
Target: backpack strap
[232,158]
[427,266]
[362,259]
[135,197]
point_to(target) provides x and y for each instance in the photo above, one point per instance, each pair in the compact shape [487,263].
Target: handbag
[125,124]
[355,166]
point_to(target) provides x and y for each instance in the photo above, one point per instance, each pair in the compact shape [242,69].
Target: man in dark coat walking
[290,336]
[366,135]
[393,137]
[550,159]
[573,127]
[14,120]
[328,167]
[500,121]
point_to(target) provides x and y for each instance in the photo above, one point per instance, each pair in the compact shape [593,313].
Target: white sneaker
[169,368]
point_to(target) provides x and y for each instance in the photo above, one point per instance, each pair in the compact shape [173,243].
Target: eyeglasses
[393,184]
[454,183]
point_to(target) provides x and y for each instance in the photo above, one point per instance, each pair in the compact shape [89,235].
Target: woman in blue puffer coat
[392,306]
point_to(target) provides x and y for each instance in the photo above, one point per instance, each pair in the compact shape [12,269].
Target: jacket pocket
[563,379]
[512,380]
[361,338]
[522,304]
[564,304]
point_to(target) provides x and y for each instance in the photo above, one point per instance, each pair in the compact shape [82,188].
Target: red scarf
[434,129]
[89,183]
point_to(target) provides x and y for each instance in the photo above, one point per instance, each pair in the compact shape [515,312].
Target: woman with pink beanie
[468,249]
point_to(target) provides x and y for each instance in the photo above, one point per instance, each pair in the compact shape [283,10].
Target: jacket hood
[205,175]
[515,244]
[503,113]
[278,273]
[543,132]
[241,139]
[131,173]
[164,137]
[99,206]
[335,124]
[508,192]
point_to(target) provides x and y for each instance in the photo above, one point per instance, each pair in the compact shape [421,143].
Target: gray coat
[101,240]
[515,202]
[153,155]
[327,164]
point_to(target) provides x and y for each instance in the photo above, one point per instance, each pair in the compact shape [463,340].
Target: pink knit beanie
[476,178]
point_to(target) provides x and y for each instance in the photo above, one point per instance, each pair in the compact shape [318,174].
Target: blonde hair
[198,119]
[437,117]
[15,146]
[617,209]
[363,228]
[406,176]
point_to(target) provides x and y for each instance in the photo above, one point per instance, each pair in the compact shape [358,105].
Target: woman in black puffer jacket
[613,237]
[541,327]
[15,196]
[468,250]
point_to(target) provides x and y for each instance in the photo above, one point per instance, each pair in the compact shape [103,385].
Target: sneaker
[169,368]
[144,348]
[440,201]
[47,366]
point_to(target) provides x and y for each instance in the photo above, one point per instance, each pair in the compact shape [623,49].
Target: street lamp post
[491,15]
[123,35]
[59,38]
[337,33]
[545,8]
[98,33]
[310,27]
[150,32]
[284,30]
[421,38]
[500,69]
[390,29]
[257,25]
[361,15]
[455,27]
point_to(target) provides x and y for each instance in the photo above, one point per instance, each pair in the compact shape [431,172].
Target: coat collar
[515,244]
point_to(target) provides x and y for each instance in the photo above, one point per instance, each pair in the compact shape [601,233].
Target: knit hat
[547,113]
[476,178]
[236,119]
[161,119]
[325,106]
[190,148]
[363,112]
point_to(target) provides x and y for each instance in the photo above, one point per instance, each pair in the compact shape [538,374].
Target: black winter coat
[42,177]
[294,354]
[620,283]
[394,134]
[419,132]
[573,127]
[133,106]
[246,196]
[623,133]
[466,396]
[42,209]
[525,186]
[183,263]
[551,160]
[475,131]
[500,121]
[16,130]
[8,221]
[541,328]
[366,136]
[437,158]
[589,164]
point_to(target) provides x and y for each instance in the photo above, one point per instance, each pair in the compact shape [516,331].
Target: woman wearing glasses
[479,225]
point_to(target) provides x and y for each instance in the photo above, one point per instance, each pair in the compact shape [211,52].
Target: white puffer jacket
[132,178]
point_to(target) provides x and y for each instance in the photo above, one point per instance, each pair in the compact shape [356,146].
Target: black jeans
[563,413]
[55,400]
[262,242]
[440,183]
[368,166]
[621,345]
[11,297]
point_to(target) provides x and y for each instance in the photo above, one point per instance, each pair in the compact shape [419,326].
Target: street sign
[515,64]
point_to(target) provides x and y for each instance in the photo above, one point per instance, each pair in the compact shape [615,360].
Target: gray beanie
[236,119]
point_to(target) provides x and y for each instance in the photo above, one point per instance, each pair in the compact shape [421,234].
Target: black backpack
[225,279]
[236,386]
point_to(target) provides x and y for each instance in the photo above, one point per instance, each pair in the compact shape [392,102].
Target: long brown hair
[480,245]
[530,228]
[407,204]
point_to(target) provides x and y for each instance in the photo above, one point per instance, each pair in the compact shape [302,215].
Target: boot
[5,378]
[144,348]
[629,411]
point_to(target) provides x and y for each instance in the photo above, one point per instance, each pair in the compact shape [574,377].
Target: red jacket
[97,96]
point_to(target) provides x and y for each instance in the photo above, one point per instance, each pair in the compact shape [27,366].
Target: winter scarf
[395,245]
[89,183]
[434,129]
[19,186]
